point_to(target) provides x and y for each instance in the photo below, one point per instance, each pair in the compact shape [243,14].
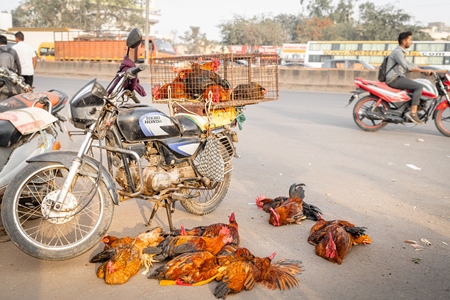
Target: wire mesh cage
[222,80]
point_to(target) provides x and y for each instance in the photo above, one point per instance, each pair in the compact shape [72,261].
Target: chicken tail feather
[221,290]
[311,212]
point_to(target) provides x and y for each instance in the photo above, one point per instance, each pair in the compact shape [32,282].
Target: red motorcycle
[386,105]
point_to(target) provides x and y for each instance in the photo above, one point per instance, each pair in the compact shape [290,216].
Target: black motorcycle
[149,155]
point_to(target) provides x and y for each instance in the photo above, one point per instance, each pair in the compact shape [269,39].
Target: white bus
[425,53]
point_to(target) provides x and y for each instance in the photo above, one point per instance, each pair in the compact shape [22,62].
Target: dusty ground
[350,174]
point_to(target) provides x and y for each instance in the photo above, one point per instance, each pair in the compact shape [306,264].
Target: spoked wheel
[205,200]
[442,121]
[43,232]
[364,105]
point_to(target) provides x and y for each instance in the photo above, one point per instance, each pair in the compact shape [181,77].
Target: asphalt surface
[350,174]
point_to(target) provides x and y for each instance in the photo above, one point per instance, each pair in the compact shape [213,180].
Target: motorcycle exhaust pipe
[382,117]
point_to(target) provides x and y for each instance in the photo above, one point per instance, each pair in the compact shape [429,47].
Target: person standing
[27,56]
[8,56]
[398,66]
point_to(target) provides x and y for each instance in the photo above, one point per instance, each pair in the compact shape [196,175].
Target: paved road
[350,174]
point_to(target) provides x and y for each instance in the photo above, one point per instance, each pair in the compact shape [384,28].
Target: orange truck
[109,50]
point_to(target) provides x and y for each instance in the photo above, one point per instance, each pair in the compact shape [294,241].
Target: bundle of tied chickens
[206,253]
[200,80]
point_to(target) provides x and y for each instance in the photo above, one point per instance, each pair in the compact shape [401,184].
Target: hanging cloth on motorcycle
[133,84]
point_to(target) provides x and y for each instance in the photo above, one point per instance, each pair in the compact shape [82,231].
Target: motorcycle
[384,105]
[149,155]
[12,84]
[28,127]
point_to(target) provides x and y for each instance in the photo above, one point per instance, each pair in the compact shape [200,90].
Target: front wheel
[206,200]
[42,232]
[442,121]
[368,104]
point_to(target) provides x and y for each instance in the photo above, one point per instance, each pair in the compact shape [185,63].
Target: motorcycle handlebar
[135,70]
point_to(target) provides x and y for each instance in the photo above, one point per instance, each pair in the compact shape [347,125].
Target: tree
[256,31]
[92,15]
[319,8]
[195,41]
[386,22]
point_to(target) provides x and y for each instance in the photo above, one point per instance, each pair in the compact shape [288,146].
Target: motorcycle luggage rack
[234,79]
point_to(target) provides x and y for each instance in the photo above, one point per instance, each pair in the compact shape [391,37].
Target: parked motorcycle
[384,105]
[11,84]
[149,155]
[28,127]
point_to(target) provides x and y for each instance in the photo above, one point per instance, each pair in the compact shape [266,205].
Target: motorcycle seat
[8,134]
[379,84]
[56,97]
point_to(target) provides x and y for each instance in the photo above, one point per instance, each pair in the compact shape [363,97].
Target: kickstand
[155,209]
[170,209]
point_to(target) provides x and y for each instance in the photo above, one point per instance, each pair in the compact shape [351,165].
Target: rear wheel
[41,231]
[442,121]
[365,104]
[206,200]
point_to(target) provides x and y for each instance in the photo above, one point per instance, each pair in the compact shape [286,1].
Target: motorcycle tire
[208,200]
[360,107]
[84,219]
[438,116]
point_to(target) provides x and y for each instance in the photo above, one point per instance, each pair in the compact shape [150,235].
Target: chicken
[248,91]
[124,264]
[209,65]
[173,246]
[177,90]
[335,245]
[188,268]
[218,93]
[231,253]
[291,210]
[310,211]
[279,275]
[357,234]
[334,239]
[241,270]
[150,238]
[214,229]
[238,276]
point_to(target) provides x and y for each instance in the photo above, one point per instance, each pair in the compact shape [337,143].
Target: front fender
[443,105]
[66,158]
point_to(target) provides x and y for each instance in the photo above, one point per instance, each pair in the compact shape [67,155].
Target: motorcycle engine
[156,178]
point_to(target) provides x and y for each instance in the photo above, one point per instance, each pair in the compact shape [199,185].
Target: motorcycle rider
[397,66]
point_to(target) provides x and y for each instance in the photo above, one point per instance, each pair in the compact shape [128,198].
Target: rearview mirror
[134,38]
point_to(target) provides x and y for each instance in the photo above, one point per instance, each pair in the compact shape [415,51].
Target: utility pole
[147,8]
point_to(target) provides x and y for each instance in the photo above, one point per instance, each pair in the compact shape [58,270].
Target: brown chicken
[173,246]
[150,238]
[357,234]
[242,270]
[291,210]
[188,268]
[310,211]
[218,93]
[231,253]
[334,239]
[249,91]
[124,264]
[335,245]
[238,276]
[214,229]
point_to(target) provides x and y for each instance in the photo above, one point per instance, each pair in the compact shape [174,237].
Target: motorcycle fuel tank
[143,123]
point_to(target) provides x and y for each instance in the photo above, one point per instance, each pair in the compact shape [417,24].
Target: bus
[422,53]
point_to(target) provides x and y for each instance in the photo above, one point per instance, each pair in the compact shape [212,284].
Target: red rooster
[214,229]
[173,246]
